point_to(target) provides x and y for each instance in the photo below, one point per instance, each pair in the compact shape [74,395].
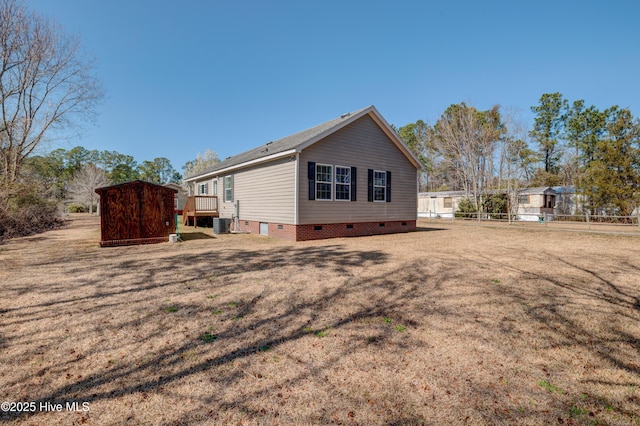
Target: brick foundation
[329,230]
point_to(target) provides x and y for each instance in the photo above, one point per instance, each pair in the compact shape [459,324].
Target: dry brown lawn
[453,324]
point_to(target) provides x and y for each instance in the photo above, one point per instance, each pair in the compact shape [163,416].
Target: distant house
[568,202]
[439,204]
[136,212]
[180,198]
[533,203]
[349,176]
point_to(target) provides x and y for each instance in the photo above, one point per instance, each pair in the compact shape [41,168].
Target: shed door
[264,228]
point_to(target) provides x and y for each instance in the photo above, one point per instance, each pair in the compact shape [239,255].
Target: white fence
[586,221]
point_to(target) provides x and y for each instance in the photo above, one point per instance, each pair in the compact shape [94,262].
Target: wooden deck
[199,206]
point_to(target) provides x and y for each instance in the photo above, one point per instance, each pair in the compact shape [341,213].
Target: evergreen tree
[547,129]
[611,180]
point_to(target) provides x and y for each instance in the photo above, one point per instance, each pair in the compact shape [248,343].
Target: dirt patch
[461,324]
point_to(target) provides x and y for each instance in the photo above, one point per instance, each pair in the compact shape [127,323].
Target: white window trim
[224,188]
[205,186]
[384,199]
[335,179]
[325,182]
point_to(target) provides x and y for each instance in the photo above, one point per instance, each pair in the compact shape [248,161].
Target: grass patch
[208,337]
[545,384]
[401,328]
[387,320]
[577,412]
[172,309]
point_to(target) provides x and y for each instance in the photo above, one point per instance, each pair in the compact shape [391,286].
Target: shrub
[76,208]
[496,204]
[465,207]
[25,211]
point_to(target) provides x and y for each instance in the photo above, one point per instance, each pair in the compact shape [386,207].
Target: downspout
[296,190]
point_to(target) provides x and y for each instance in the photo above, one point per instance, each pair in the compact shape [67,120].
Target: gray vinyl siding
[194,188]
[266,192]
[364,145]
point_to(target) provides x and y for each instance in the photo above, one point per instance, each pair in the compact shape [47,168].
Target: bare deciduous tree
[515,155]
[46,85]
[201,163]
[466,139]
[83,187]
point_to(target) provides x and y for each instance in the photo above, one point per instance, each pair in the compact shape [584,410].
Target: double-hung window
[379,185]
[203,189]
[228,189]
[329,182]
[343,183]
[324,181]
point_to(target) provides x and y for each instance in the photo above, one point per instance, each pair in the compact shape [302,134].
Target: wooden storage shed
[136,212]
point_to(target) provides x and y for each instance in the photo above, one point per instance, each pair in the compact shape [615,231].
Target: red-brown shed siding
[136,212]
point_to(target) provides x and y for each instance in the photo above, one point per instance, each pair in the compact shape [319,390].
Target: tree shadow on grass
[271,300]
[429,229]
[191,236]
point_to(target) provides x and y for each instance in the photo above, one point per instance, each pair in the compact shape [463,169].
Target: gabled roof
[136,182]
[297,142]
[538,190]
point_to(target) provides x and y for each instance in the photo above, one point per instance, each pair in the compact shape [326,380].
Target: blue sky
[185,76]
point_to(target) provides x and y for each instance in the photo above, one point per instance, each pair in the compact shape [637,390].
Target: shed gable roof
[298,141]
[137,182]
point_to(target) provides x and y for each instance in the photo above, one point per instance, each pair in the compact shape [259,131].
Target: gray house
[349,176]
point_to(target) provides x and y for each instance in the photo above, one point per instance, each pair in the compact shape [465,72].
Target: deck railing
[200,205]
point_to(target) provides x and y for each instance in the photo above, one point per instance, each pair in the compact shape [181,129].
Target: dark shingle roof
[281,145]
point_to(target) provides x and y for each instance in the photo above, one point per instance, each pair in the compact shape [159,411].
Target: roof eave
[370,110]
[380,121]
[253,162]
[378,118]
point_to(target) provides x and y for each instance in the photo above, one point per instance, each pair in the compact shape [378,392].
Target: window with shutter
[324,182]
[343,183]
[379,186]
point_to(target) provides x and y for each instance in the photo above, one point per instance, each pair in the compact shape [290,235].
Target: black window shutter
[312,180]
[354,179]
[388,187]
[370,185]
